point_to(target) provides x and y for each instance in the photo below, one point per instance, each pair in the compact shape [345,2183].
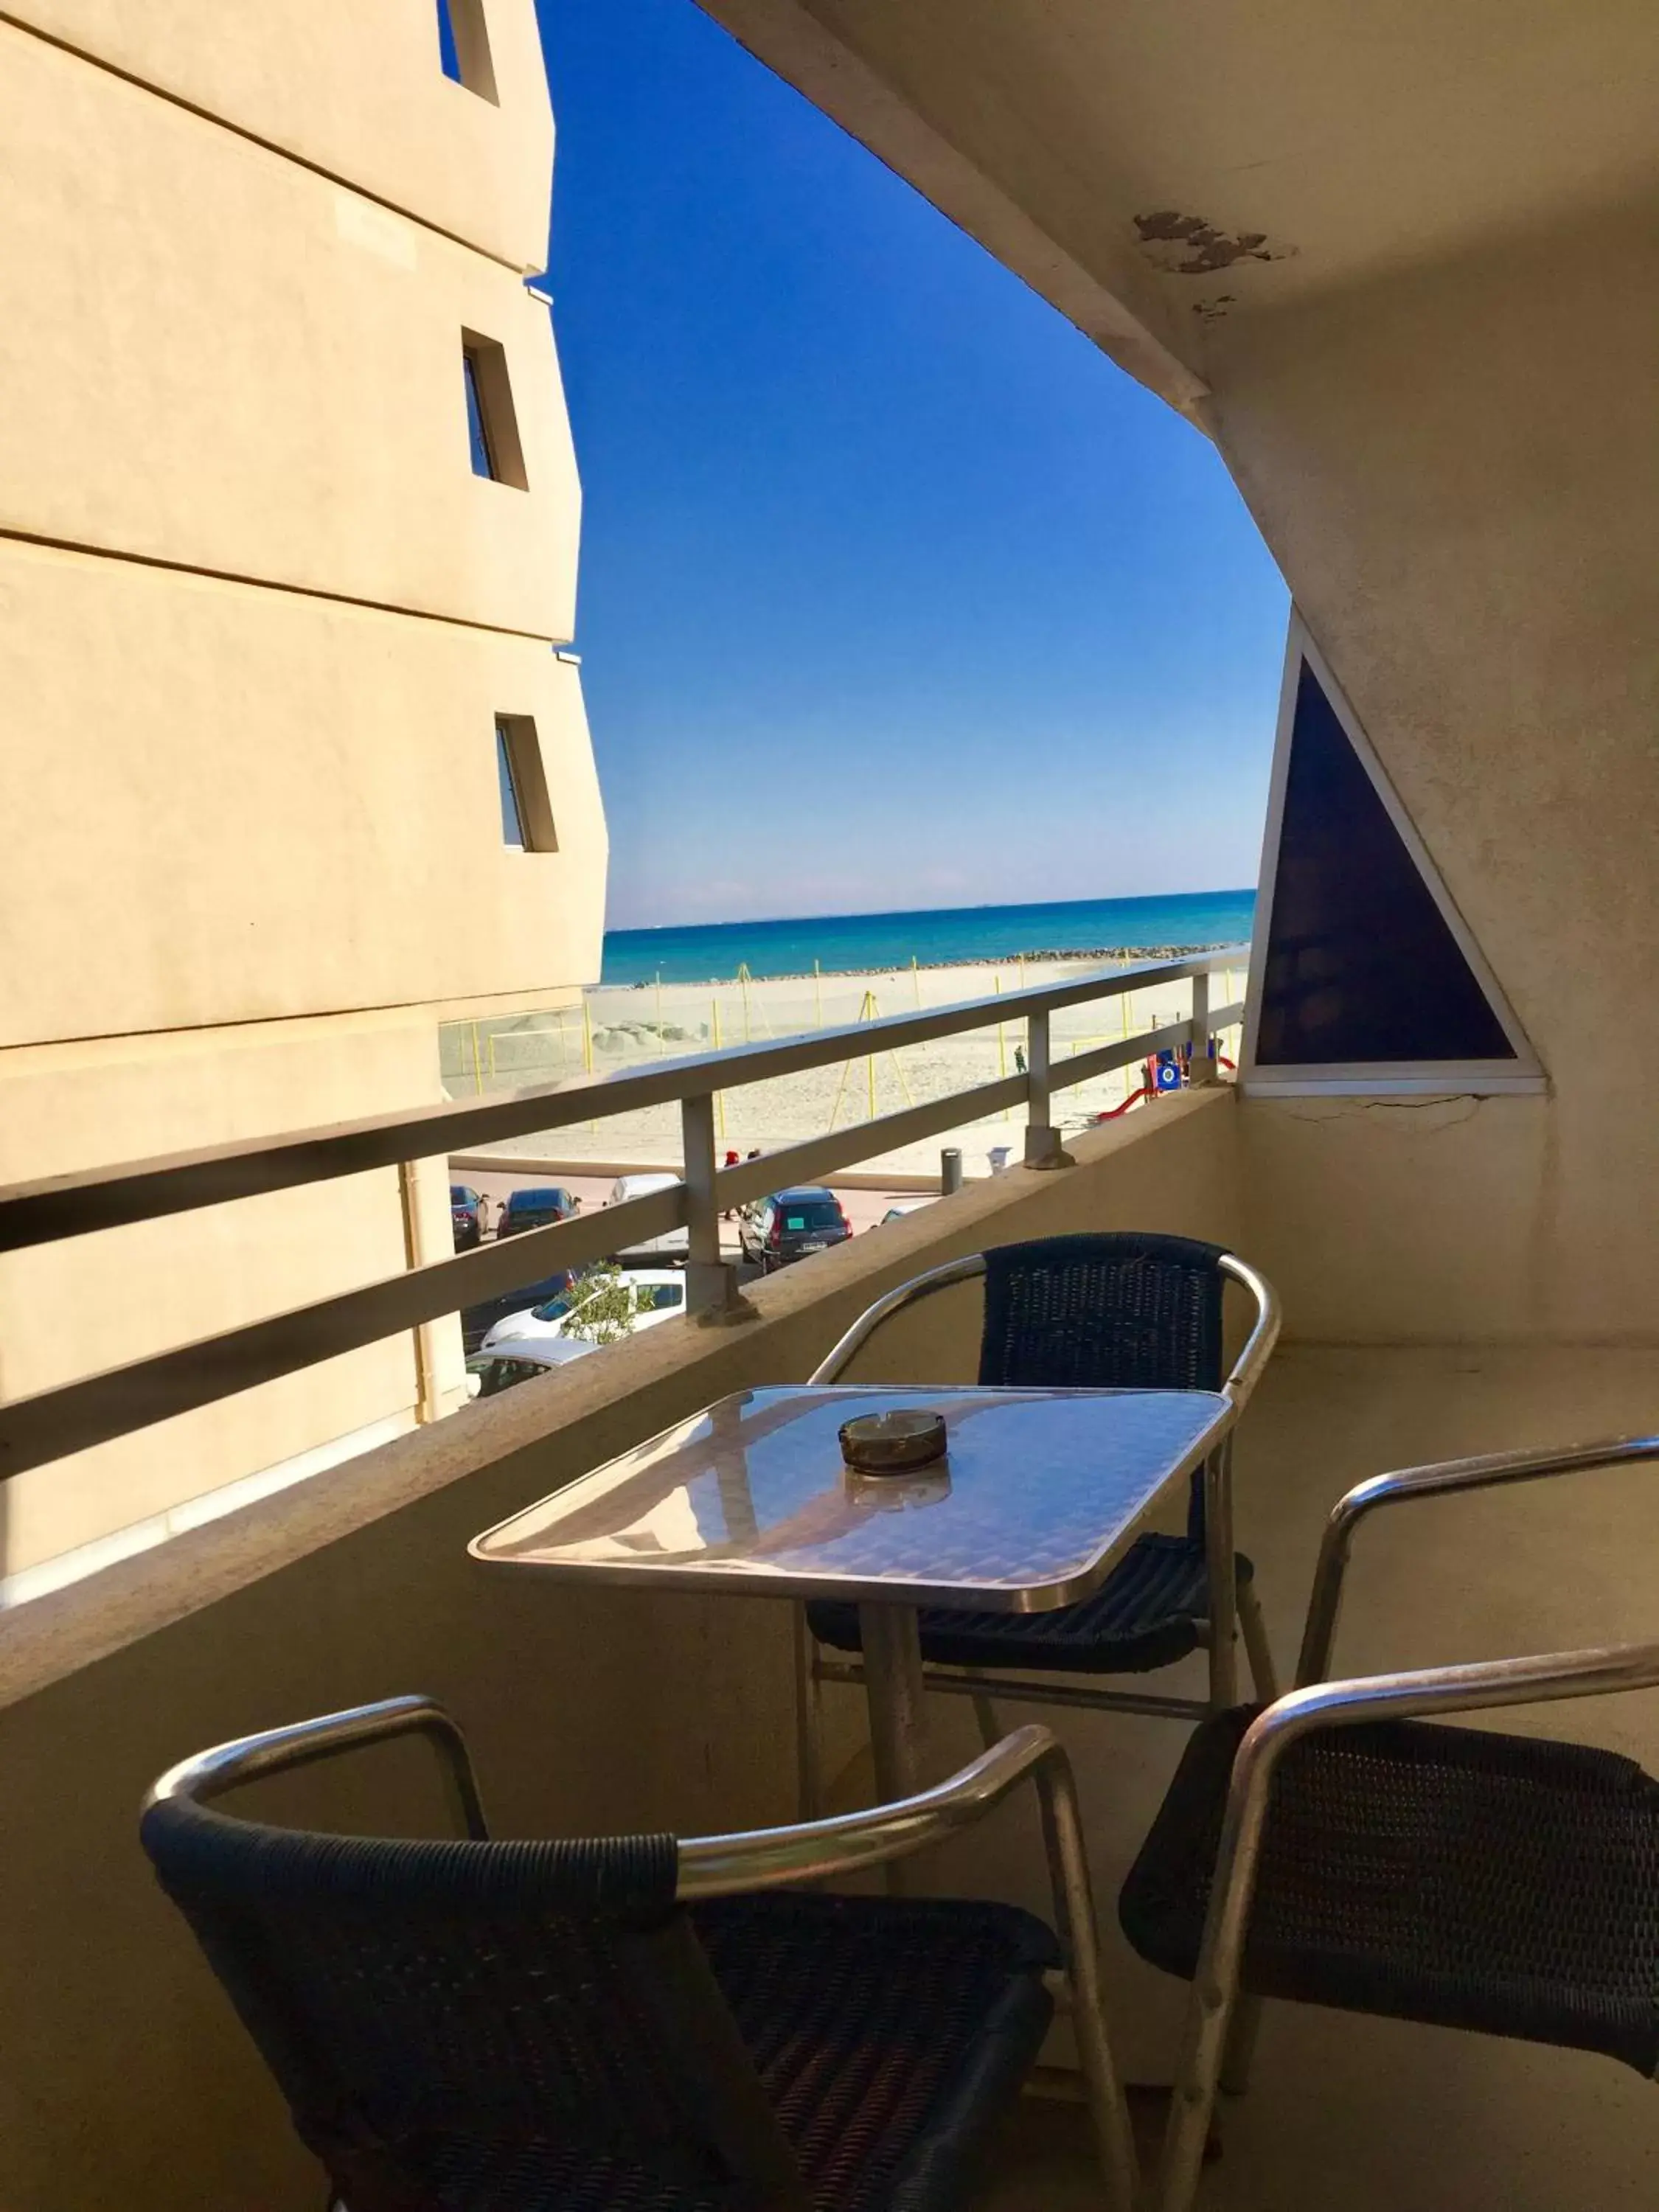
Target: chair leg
[1239,2055]
[990,1729]
[1192,2107]
[1074,1922]
[809,1720]
[1213,2006]
[1219,1558]
[1254,1629]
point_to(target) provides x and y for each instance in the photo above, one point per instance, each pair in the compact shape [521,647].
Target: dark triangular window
[1362,966]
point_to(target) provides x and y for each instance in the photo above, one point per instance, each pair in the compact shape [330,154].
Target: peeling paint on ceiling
[1187,245]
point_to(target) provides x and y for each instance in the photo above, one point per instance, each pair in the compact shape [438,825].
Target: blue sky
[894,590]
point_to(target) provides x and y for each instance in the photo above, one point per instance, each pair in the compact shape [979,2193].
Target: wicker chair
[471,2026]
[1124,1310]
[1339,1850]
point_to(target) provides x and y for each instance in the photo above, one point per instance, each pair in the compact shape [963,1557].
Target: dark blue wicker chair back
[1120,1310]
[468,2023]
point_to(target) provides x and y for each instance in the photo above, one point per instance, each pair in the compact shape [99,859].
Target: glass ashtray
[893,1443]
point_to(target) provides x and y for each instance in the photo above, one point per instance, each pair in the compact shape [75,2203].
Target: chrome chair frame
[1220,2019]
[772,1858]
[1236,1609]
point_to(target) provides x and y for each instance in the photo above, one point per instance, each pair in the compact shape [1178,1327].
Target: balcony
[610,1710]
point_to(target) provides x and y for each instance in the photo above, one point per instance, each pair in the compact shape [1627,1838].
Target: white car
[641,1186]
[490,1372]
[547,1323]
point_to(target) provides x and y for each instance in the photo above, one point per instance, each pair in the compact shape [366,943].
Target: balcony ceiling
[1193,160]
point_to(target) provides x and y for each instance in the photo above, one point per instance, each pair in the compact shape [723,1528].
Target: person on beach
[730,1161]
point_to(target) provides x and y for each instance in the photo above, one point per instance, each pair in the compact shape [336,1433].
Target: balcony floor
[1374,2116]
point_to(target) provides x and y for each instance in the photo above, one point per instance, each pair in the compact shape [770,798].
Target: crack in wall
[1346,1107]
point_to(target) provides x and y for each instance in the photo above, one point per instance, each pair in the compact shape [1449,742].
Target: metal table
[1038,1497]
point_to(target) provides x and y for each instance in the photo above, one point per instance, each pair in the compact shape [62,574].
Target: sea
[849,944]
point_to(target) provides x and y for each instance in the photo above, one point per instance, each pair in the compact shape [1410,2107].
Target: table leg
[892,1673]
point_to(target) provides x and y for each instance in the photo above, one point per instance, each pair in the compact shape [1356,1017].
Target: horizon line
[901,914]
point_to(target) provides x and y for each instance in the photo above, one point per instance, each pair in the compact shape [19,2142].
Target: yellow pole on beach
[742,984]
[817,1002]
[659,1038]
[867,1012]
[477,1069]
[915,978]
[588,1037]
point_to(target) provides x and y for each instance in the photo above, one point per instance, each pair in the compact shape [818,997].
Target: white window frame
[1368,1079]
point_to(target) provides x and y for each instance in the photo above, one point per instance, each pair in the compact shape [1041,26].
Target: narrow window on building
[448,55]
[483,461]
[492,424]
[463,46]
[511,816]
[526,814]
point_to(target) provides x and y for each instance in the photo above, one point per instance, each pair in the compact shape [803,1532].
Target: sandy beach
[624,1027]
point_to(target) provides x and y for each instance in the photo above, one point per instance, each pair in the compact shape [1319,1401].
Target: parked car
[476,1322]
[905,1205]
[536,1209]
[640,1186]
[545,1323]
[792,1225]
[464,1216]
[490,1373]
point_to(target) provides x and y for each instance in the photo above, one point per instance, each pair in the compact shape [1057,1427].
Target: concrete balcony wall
[1455,467]
[355,91]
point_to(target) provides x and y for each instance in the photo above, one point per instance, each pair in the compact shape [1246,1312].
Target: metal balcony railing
[54,1423]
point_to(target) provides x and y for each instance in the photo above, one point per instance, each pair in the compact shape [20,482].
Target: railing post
[1043,1145]
[1201,1067]
[711,1283]
[429,1335]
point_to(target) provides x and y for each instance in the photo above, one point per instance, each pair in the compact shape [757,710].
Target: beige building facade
[264,628]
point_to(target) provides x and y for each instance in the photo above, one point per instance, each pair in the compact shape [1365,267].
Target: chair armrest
[210,1773]
[815,1851]
[1264,1332]
[1481,1686]
[1449,1476]
[919,1286]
